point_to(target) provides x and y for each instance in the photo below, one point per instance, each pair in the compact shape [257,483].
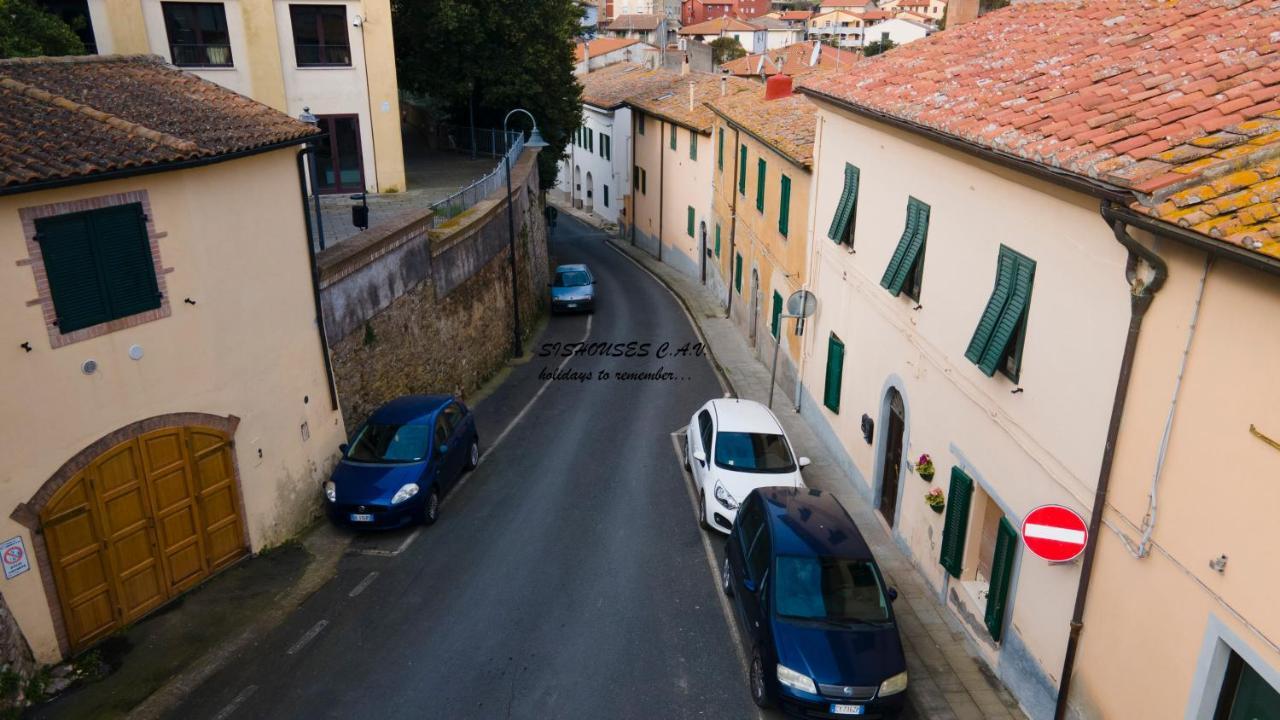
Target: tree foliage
[725,49]
[487,57]
[27,30]
[879,46]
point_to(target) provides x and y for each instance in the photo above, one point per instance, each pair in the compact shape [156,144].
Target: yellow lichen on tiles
[1269,138]
[1236,180]
[1188,216]
[1233,202]
[1218,140]
[1192,196]
[1260,213]
[1193,168]
[1219,227]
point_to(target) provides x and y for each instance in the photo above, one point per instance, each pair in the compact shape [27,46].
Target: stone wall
[409,309]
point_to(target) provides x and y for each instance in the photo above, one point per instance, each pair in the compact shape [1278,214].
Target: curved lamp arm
[519,110]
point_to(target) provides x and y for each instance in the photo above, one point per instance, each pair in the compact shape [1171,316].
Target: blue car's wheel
[726,579]
[473,455]
[759,686]
[431,508]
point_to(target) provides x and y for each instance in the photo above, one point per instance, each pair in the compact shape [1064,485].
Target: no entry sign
[1055,533]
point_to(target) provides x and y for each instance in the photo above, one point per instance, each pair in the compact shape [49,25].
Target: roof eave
[798,162]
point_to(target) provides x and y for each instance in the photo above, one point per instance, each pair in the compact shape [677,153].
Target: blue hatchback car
[816,608]
[401,461]
[573,289]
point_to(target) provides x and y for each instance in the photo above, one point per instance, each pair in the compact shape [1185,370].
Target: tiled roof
[634,22]
[791,60]
[796,14]
[601,46]
[914,3]
[610,87]
[786,124]
[880,14]
[768,23]
[717,26]
[671,101]
[65,118]
[1177,102]
[832,4]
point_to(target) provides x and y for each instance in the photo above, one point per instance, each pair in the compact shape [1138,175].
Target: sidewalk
[948,680]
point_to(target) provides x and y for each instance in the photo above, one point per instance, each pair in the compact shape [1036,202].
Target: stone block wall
[410,309]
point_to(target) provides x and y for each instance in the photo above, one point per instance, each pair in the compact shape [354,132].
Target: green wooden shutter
[784,211]
[957,523]
[776,321]
[717,239]
[835,373]
[847,205]
[1019,300]
[720,151]
[908,252]
[689,229]
[79,299]
[742,170]
[761,171]
[124,259]
[693,145]
[1006,270]
[737,274]
[640,122]
[1001,575]
[673,137]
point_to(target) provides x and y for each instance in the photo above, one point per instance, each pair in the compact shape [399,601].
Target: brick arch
[28,513]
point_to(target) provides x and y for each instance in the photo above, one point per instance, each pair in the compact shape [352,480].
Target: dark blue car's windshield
[753,452]
[572,278]
[829,589]
[379,443]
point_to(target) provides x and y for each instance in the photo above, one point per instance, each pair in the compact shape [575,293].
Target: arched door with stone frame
[138,524]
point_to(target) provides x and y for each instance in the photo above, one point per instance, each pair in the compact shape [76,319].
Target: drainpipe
[733,218]
[662,178]
[315,276]
[635,181]
[1141,295]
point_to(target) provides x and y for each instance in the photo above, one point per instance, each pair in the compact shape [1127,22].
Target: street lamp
[314,121]
[535,141]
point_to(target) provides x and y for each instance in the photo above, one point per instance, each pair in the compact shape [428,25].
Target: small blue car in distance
[824,640]
[573,289]
[402,461]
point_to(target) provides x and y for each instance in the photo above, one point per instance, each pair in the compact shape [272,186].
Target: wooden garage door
[145,521]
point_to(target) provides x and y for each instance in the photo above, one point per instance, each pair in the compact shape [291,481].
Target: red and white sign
[1055,533]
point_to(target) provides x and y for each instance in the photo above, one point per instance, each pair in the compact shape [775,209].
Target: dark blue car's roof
[408,409]
[812,523]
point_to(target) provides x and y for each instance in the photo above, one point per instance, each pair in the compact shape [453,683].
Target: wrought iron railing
[466,198]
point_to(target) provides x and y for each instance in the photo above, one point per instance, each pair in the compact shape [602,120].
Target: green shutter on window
[640,123]
[776,321]
[737,274]
[124,257]
[784,208]
[79,299]
[761,171]
[720,151]
[672,139]
[957,522]
[835,373]
[693,145]
[1001,576]
[717,239]
[689,229]
[742,170]
[845,209]
[907,254]
[1009,302]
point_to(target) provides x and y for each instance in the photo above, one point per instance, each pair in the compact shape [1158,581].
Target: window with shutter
[673,137]
[737,274]
[606,196]
[957,522]
[693,145]
[835,373]
[717,239]
[689,229]
[776,321]
[640,123]
[784,207]
[841,229]
[742,170]
[720,150]
[761,171]
[99,265]
[907,262]
[997,341]
[1001,576]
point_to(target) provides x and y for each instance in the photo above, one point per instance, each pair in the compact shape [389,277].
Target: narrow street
[567,576]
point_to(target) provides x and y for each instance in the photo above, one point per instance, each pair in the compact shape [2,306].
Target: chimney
[778,86]
[684,64]
[586,55]
[724,85]
[690,95]
[959,12]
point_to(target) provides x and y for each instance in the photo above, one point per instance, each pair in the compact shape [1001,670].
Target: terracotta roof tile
[62,118]
[718,26]
[671,102]
[610,87]
[791,60]
[601,46]
[1160,98]
[786,124]
[643,23]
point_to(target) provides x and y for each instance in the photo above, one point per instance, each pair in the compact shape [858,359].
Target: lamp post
[314,121]
[535,141]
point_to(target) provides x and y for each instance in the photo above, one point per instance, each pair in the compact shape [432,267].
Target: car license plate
[846,709]
[574,305]
[361,517]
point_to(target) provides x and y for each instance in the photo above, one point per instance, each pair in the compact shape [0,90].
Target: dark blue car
[573,289]
[816,608]
[402,461]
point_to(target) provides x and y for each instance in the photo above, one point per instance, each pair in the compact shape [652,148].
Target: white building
[779,33]
[754,39]
[603,52]
[900,30]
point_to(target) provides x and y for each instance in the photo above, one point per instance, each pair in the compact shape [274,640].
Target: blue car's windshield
[753,452]
[378,443]
[829,589]
[572,278]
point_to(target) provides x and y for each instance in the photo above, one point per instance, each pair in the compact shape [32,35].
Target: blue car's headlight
[894,685]
[404,493]
[725,498]
[796,680]
[331,491]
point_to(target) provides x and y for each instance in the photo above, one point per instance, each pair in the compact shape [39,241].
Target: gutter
[149,169]
[1142,293]
[315,277]
[662,181]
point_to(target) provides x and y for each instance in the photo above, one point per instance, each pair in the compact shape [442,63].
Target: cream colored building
[335,58]
[168,408]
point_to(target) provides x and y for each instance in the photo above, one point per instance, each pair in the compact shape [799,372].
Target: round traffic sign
[13,555]
[1055,533]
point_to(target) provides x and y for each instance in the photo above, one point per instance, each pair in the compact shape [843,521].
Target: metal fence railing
[467,197]
[460,138]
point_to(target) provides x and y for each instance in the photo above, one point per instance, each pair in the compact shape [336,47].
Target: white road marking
[711,565]
[235,703]
[308,637]
[363,584]
[1049,532]
[404,545]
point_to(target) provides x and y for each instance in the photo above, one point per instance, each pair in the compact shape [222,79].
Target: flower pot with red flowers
[937,502]
[924,468]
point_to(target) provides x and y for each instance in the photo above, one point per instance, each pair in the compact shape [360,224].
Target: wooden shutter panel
[761,171]
[1019,301]
[1001,575]
[79,298]
[693,145]
[844,208]
[835,373]
[737,274]
[720,150]
[1005,272]
[717,239]
[124,258]
[784,212]
[742,170]
[957,523]
[776,320]
[907,253]
[673,137]
[689,229]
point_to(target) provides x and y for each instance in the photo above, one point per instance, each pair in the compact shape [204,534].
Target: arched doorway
[589,193]
[136,519]
[576,195]
[891,455]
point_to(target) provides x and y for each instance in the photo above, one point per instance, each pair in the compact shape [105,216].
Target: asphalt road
[566,578]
